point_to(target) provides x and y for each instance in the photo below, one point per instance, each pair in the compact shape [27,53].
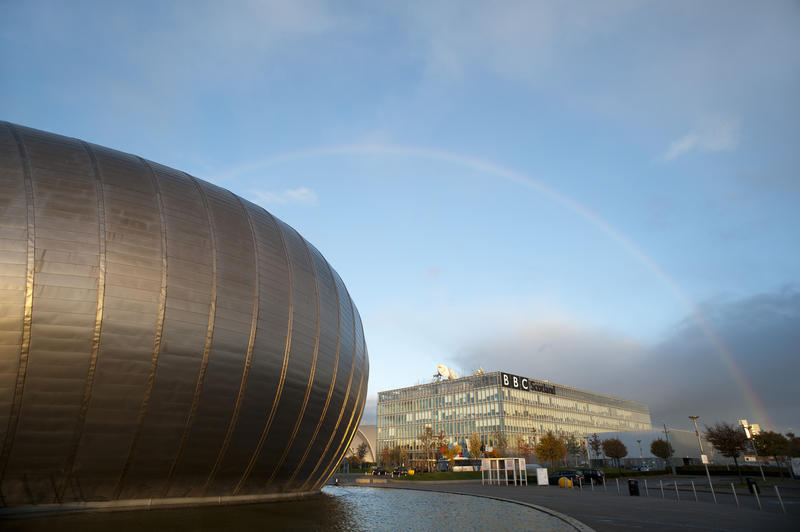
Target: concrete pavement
[605,510]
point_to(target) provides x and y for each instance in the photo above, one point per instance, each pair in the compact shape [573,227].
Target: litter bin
[633,487]
[752,486]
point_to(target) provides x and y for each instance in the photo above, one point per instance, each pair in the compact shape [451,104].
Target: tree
[441,443]
[353,461]
[385,457]
[729,440]
[550,448]
[474,445]
[500,442]
[615,449]
[792,444]
[524,448]
[595,444]
[771,443]
[450,454]
[358,454]
[427,443]
[397,455]
[573,447]
[662,449]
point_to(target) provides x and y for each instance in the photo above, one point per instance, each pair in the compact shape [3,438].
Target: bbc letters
[524,383]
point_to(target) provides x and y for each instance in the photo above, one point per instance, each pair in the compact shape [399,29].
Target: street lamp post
[703,457]
[749,431]
[641,458]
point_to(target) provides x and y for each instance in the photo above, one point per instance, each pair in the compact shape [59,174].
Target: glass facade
[488,403]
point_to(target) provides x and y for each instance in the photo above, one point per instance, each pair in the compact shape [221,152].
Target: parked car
[378,471]
[399,472]
[596,475]
[574,476]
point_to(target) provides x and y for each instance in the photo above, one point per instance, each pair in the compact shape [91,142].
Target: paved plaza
[606,510]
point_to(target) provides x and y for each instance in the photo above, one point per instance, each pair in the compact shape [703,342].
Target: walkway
[605,510]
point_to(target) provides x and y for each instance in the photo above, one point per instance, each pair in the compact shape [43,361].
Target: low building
[489,404]
[365,434]
[686,450]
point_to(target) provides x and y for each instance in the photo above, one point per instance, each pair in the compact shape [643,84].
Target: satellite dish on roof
[442,370]
[451,374]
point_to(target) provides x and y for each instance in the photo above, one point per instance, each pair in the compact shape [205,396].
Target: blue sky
[575,191]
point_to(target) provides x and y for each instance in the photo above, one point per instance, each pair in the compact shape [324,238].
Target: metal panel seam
[25,342]
[212,312]
[344,403]
[159,332]
[333,379]
[69,468]
[311,372]
[282,379]
[356,408]
[249,355]
[341,451]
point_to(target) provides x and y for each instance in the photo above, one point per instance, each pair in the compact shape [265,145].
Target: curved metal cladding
[160,336]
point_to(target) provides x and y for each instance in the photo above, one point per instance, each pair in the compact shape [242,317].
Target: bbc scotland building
[488,403]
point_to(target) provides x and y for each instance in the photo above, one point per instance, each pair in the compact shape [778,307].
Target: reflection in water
[335,509]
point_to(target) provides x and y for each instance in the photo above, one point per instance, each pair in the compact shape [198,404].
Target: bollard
[758,499]
[605,484]
[735,497]
[661,483]
[591,481]
[618,492]
[677,495]
[695,492]
[646,492]
[780,499]
[580,483]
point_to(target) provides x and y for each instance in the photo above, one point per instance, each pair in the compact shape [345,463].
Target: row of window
[510,410]
[463,391]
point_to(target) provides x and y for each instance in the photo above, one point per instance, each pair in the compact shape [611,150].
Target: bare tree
[595,444]
[427,443]
[500,442]
[573,447]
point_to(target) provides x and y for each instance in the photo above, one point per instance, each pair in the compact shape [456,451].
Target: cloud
[296,196]
[712,135]
[556,350]
[516,39]
[761,334]
[369,417]
[681,375]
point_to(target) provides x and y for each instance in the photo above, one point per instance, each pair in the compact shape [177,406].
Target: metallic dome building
[161,337]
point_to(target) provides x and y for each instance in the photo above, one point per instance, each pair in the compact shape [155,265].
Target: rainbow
[700,319]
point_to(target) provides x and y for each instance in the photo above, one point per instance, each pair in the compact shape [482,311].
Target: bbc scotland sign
[524,383]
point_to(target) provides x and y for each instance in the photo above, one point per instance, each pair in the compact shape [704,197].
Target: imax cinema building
[162,340]
[487,403]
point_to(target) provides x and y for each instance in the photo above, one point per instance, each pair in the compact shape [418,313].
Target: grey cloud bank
[684,374]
